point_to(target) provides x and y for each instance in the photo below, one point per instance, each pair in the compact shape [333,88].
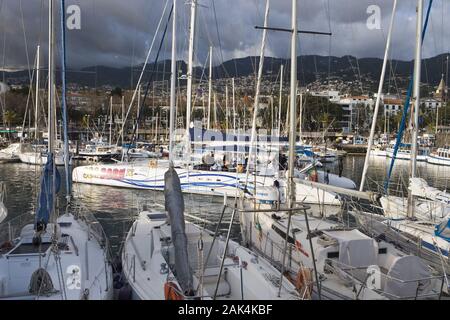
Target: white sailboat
[151,265]
[343,263]
[180,261]
[193,180]
[54,258]
[424,203]
[37,154]
[11,153]
[421,219]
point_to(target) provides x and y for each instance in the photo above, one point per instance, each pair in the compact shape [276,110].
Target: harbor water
[115,208]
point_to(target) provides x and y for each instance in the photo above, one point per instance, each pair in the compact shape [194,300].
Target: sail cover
[355,248]
[175,207]
[46,195]
[407,277]
[443,229]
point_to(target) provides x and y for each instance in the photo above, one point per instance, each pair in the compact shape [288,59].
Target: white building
[331,95]
[431,103]
[392,106]
[350,107]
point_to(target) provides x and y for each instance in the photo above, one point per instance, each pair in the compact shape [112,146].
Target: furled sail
[46,195]
[174,203]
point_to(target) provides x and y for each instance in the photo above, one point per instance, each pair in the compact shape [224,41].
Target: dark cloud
[118,33]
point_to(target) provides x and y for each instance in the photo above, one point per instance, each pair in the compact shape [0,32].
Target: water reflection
[115,208]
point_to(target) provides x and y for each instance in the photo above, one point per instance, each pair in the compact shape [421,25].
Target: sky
[118,33]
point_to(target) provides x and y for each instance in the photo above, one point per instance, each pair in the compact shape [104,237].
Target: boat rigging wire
[155,65]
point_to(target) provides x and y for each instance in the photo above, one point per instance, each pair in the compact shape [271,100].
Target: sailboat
[55,257]
[10,154]
[194,179]
[165,258]
[37,154]
[343,262]
[425,213]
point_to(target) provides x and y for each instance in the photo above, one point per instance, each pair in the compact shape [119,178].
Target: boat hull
[213,183]
[438,160]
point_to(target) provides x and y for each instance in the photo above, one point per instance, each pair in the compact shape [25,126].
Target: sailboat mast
[226,108]
[215,110]
[257,93]
[280,99]
[293,106]
[190,76]
[123,116]
[51,78]
[378,101]
[137,112]
[173,78]
[65,123]
[234,105]
[110,119]
[208,122]
[300,133]
[416,102]
[36,110]
[416,91]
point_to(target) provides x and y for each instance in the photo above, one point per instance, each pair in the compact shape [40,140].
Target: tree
[318,113]
[10,118]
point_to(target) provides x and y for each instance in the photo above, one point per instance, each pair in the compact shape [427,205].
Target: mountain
[311,68]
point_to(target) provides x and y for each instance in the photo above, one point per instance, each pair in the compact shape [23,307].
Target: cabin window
[382,250]
[333,255]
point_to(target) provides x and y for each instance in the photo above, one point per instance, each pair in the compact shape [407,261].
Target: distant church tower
[441,92]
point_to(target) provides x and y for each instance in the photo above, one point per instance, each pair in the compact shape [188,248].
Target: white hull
[425,210]
[11,153]
[5,157]
[214,183]
[343,257]
[145,265]
[405,156]
[438,160]
[81,261]
[422,231]
[379,153]
[36,158]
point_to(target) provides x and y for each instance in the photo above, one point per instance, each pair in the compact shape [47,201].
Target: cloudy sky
[118,33]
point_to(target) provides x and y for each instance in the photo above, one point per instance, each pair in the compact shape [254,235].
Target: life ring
[303,283]
[172,292]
